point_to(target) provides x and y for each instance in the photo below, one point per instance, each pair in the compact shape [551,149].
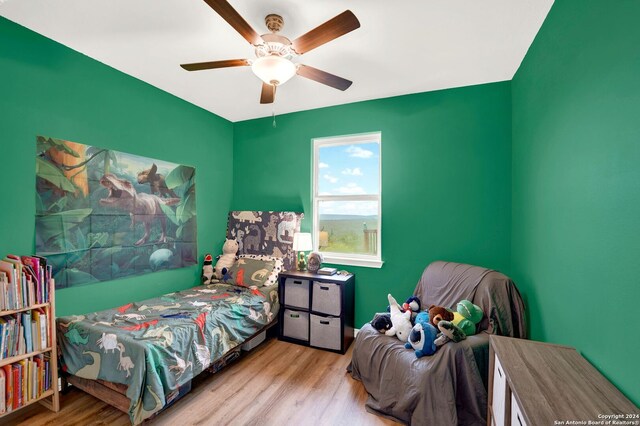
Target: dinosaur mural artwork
[156,182]
[103,214]
[143,208]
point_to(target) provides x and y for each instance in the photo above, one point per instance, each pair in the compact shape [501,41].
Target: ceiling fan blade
[198,66]
[330,30]
[268,94]
[323,77]
[233,18]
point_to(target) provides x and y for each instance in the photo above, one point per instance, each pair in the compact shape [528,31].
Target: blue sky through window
[349,169]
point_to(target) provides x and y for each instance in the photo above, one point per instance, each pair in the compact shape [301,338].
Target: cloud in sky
[330,178]
[352,172]
[358,152]
[323,165]
[351,189]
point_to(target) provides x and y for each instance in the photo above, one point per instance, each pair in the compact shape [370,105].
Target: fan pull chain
[273,114]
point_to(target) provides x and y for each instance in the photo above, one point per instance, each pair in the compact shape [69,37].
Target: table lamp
[301,243]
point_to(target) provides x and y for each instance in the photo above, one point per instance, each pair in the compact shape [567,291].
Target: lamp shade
[302,241]
[273,69]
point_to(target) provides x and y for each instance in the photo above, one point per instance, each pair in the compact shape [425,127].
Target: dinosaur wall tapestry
[103,214]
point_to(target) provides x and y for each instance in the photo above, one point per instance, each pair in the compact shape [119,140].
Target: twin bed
[141,356]
[152,349]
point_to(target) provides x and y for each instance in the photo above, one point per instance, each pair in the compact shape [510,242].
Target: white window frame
[351,259]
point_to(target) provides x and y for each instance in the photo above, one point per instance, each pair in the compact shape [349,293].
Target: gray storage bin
[326,298]
[296,324]
[296,293]
[325,332]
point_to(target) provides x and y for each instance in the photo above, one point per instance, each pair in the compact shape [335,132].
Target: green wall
[446,179]
[48,89]
[538,177]
[576,184]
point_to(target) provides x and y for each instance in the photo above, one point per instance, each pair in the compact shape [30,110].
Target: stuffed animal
[422,318]
[207,269]
[381,322]
[226,259]
[439,313]
[464,321]
[422,339]
[450,332]
[400,322]
[412,304]
[467,316]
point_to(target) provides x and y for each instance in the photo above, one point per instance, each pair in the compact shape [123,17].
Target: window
[347,199]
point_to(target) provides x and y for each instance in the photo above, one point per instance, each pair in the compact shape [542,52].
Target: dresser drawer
[326,298]
[295,324]
[517,419]
[325,332]
[498,404]
[296,293]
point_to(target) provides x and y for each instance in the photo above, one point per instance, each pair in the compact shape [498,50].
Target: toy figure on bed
[226,259]
[207,269]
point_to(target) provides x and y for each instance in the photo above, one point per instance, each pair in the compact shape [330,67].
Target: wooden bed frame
[115,394]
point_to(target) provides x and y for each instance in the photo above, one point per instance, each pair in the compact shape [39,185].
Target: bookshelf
[28,358]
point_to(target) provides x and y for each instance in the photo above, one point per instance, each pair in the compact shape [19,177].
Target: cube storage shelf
[317,310]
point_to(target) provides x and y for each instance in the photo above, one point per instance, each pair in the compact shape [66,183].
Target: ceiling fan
[274,65]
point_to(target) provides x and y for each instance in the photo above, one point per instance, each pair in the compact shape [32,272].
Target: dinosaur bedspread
[159,344]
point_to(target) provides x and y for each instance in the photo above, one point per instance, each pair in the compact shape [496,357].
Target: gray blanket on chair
[449,387]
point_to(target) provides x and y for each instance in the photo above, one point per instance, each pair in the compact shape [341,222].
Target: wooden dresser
[535,383]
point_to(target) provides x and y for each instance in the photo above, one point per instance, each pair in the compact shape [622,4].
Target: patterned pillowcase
[256,270]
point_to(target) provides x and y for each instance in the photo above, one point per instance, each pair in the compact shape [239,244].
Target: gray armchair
[449,387]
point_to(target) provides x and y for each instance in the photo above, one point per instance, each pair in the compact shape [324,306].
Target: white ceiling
[401,47]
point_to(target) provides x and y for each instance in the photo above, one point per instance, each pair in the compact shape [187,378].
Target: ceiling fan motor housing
[275,45]
[274,22]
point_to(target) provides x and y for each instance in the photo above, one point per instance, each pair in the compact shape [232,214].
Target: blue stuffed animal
[422,339]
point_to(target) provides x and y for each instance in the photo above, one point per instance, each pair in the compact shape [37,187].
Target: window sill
[352,261]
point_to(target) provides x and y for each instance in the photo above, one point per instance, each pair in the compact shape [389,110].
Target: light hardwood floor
[277,383]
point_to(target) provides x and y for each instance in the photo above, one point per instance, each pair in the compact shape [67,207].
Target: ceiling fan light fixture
[274,70]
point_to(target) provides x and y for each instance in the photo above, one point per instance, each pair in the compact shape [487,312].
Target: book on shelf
[25,332]
[24,381]
[24,281]
[327,271]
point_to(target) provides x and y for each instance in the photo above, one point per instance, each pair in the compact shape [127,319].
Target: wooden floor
[277,383]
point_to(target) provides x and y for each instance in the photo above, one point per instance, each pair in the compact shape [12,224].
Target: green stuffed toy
[464,321]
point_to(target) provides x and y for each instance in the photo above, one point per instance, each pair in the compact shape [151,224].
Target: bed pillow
[255,270]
